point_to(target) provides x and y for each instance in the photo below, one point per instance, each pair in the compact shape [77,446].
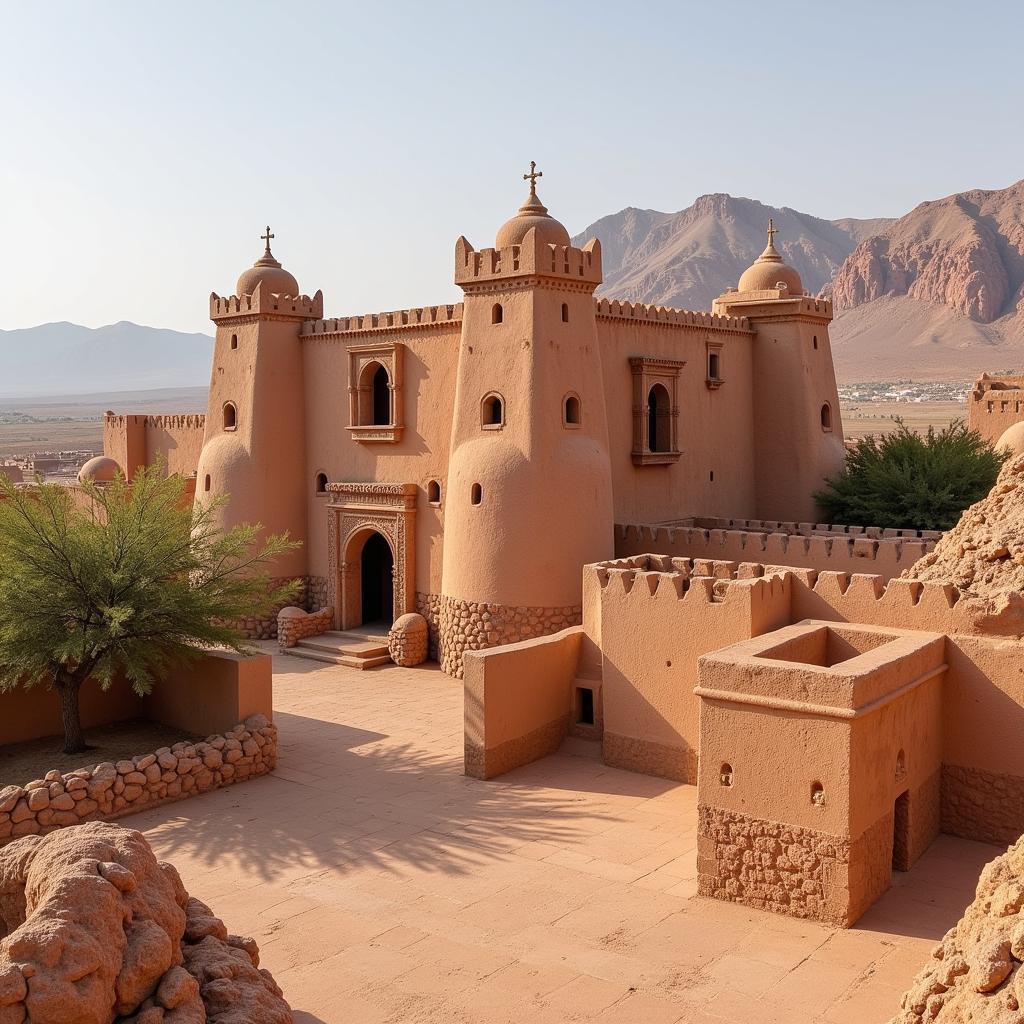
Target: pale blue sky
[145,145]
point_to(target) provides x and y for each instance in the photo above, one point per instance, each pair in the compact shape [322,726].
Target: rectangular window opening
[584,706]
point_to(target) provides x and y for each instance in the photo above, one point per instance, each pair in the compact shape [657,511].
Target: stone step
[334,658]
[340,644]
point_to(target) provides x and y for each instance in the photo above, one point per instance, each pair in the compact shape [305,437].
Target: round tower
[529,477]
[254,445]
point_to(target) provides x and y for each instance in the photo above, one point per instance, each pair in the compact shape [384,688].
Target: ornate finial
[267,237]
[771,233]
[533,176]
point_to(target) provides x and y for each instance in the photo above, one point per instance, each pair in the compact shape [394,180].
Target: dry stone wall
[429,606]
[475,626]
[981,805]
[407,640]
[294,624]
[96,931]
[111,790]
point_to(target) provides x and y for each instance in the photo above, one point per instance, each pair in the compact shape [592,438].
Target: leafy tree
[134,581]
[904,480]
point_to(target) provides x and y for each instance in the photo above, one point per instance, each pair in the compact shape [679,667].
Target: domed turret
[100,470]
[768,271]
[532,214]
[267,270]
[1012,440]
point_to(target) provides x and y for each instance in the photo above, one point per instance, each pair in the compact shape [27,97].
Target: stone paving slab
[382,885]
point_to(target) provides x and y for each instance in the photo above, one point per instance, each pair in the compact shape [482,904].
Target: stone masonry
[110,790]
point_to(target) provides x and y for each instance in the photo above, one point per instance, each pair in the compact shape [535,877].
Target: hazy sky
[145,145]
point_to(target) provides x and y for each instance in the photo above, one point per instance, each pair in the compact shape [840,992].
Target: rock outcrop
[983,555]
[94,930]
[965,251]
[974,975]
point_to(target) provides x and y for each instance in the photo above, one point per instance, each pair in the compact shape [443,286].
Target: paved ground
[384,886]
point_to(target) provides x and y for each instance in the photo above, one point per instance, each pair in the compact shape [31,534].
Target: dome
[532,214]
[1012,440]
[768,271]
[267,269]
[99,470]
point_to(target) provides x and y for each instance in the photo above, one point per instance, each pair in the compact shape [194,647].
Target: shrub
[904,480]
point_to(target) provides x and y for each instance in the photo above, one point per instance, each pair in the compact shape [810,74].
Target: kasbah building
[599,516]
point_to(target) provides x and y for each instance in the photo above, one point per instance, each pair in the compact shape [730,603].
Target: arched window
[571,411]
[434,492]
[321,483]
[725,775]
[826,417]
[565,312]
[234,341]
[497,313]
[381,398]
[492,411]
[230,416]
[658,419]
[476,494]
[206,482]
[818,794]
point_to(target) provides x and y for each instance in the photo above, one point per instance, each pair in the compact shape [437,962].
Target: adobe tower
[798,433]
[253,449]
[529,477]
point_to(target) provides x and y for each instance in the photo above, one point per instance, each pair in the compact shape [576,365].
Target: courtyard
[382,885]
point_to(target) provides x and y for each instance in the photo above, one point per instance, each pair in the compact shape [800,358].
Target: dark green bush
[905,480]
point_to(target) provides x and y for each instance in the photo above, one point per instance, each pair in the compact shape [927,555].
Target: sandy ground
[382,885]
[863,418]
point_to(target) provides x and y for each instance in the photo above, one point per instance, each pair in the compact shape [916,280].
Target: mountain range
[936,294]
[67,359]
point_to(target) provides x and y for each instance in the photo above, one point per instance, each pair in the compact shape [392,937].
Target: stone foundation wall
[770,866]
[475,626]
[982,805]
[292,629]
[429,606]
[650,758]
[479,763]
[265,627]
[108,790]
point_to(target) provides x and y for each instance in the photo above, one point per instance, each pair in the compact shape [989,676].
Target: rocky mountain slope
[64,358]
[688,258]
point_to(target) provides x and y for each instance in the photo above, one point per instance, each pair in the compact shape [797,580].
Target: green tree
[905,480]
[134,581]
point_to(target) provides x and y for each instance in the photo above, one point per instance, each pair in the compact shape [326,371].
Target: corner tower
[798,432]
[529,478]
[254,449]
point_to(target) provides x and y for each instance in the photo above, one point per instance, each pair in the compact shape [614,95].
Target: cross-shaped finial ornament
[267,237]
[533,176]
[772,229]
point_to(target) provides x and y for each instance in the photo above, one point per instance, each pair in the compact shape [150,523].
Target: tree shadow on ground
[346,799]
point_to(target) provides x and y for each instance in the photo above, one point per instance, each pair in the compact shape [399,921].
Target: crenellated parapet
[532,258]
[159,421]
[615,309]
[425,316]
[263,302]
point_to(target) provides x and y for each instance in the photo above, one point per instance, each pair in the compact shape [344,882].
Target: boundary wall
[800,545]
[995,404]
[135,441]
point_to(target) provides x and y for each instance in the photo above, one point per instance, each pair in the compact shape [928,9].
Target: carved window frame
[648,371]
[390,356]
[713,348]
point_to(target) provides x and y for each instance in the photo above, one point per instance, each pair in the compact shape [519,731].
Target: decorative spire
[531,178]
[268,236]
[770,254]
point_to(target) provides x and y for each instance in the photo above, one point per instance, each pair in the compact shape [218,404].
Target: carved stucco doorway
[371,541]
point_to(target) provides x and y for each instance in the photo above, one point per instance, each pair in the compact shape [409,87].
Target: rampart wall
[134,441]
[801,545]
[994,404]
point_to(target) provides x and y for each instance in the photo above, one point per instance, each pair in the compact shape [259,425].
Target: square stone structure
[820,767]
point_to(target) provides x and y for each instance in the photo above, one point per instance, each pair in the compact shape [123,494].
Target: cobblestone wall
[982,805]
[265,627]
[429,606]
[475,626]
[110,790]
[294,625]
[317,593]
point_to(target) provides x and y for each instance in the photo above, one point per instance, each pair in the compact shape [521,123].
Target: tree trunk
[74,741]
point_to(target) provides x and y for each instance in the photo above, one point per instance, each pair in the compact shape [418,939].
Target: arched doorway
[376,564]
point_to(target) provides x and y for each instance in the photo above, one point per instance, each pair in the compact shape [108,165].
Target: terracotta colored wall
[429,364]
[135,441]
[518,700]
[211,695]
[715,426]
[990,410]
[653,628]
[884,556]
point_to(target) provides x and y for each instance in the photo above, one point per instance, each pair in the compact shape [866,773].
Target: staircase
[355,649]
